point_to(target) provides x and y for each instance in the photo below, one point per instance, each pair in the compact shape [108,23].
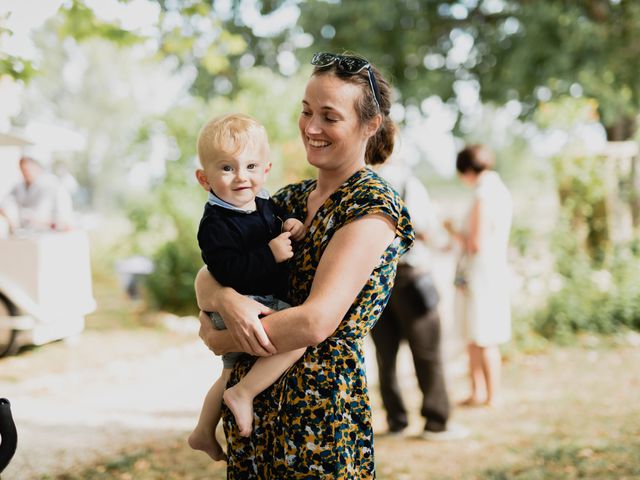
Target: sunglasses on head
[350,65]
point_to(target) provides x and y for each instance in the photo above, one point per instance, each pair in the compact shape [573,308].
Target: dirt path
[78,401]
[569,414]
[112,393]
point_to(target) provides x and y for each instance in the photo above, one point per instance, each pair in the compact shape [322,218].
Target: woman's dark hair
[475,158]
[380,145]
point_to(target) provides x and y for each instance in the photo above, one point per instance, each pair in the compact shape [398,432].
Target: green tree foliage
[515,49]
[196,34]
[11,65]
[80,23]
[597,282]
[76,21]
[603,300]
[104,91]
[581,183]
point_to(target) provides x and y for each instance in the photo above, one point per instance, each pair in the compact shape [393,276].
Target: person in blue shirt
[245,241]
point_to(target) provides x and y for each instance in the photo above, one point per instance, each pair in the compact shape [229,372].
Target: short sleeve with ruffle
[376,196]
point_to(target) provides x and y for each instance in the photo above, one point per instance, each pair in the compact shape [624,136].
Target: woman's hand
[448,226]
[241,316]
[221,341]
[208,334]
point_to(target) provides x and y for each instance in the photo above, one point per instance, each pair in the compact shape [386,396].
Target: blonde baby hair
[229,134]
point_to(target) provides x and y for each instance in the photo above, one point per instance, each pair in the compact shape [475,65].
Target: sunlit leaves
[81,23]
[15,67]
[518,47]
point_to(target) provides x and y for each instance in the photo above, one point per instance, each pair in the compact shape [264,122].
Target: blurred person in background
[67,180]
[412,315]
[40,202]
[481,299]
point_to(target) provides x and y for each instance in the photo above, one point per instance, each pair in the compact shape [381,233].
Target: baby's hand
[296,227]
[281,247]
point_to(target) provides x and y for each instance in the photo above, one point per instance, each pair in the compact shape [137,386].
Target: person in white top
[40,202]
[412,315]
[482,303]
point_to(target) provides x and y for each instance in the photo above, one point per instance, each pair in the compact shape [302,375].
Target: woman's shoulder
[491,187]
[371,187]
[369,193]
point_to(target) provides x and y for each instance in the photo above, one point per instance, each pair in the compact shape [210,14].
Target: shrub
[603,300]
[170,286]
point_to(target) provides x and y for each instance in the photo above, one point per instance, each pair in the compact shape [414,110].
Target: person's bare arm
[241,315]
[472,244]
[455,234]
[346,264]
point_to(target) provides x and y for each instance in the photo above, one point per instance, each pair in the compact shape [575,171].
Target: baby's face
[237,178]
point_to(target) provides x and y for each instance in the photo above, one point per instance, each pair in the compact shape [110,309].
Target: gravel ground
[74,402]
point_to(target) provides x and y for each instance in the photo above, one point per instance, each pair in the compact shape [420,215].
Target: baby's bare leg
[263,374]
[203,436]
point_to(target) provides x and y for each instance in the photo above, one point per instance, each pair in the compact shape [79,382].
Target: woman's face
[329,125]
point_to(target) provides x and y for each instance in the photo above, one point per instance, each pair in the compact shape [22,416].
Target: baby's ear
[202,179]
[267,168]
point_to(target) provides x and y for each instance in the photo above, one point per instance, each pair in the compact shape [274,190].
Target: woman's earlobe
[374,125]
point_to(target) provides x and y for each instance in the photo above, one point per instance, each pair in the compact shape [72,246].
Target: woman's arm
[471,240]
[472,243]
[241,315]
[346,264]
[345,267]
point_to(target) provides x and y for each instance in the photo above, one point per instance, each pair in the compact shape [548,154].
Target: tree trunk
[623,129]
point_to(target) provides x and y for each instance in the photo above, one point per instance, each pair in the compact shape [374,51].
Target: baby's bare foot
[241,405]
[206,441]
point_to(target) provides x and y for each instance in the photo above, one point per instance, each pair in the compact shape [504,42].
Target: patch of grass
[171,461]
[573,461]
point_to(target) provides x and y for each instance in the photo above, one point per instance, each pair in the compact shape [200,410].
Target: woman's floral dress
[315,422]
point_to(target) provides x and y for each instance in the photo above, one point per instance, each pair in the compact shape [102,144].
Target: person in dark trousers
[412,315]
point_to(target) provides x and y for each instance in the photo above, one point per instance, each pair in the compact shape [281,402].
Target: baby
[245,242]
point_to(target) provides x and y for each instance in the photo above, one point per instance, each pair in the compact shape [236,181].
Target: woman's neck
[330,180]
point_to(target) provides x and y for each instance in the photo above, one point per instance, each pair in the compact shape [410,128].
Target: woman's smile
[318,143]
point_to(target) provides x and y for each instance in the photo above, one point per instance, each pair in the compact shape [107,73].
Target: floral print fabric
[315,422]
